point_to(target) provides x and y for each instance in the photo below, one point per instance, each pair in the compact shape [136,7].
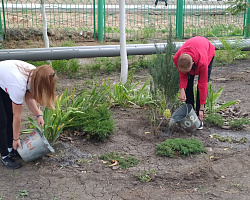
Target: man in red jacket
[195,57]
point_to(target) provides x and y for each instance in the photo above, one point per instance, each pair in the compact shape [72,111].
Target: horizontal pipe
[61,53]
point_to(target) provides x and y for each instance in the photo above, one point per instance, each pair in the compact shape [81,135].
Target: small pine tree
[164,73]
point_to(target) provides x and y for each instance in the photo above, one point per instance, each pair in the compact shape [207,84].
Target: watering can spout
[171,123]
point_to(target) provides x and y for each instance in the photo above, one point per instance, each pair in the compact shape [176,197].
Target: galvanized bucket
[185,117]
[34,146]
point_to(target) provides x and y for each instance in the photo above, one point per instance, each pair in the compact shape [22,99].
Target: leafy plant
[179,147]
[56,120]
[230,52]
[212,101]
[1,197]
[221,138]
[72,110]
[228,139]
[107,65]
[127,94]
[144,176]
[239,123]
[238,6]
[124,161]
[68,67]
[215,119]
[22,193]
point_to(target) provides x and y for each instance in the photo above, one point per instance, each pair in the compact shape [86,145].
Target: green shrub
[124,161]
[67,67]
[239,123]
[215,119]
[97,123]
[179,147]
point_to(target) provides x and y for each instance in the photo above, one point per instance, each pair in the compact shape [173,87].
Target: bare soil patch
[199,177]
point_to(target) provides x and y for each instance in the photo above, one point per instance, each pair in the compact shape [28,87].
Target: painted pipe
[60,53]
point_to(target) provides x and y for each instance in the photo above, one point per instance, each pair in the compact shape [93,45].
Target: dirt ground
[198,177]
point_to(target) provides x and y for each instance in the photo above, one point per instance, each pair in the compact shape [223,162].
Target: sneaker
[10,163]
[14,153]
[201,126]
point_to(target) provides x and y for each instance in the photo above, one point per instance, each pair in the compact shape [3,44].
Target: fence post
[94,20]
[100,20]
[2,33]
[247,22]
[179,19]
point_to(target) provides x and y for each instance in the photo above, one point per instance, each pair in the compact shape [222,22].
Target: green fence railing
[145,21]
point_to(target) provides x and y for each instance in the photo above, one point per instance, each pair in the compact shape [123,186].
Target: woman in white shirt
[21,81]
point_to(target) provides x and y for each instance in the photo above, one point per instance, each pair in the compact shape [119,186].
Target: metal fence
[78,19]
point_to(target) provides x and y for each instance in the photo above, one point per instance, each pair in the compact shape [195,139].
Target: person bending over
[21,81]
[195,57]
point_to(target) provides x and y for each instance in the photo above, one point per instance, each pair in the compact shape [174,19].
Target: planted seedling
[145,176]
[22,193]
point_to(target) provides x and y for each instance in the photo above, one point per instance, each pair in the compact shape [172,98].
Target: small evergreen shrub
[165,74]
[124,161]
[179,147]
[97,123]
[215,119]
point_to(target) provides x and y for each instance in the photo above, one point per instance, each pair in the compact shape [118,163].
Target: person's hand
[17,143]
[40,120]
[201,114]
[182,96]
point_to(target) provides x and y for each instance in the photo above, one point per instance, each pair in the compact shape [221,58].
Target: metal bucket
[186,117]
[34,146]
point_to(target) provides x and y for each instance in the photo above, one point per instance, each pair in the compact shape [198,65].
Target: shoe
[14,153]
[10,163]
[201,126]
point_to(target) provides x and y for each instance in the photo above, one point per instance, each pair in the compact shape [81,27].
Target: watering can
[186,118]
[34,146]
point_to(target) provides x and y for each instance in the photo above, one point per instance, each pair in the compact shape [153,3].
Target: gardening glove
[182,96]
[40,120]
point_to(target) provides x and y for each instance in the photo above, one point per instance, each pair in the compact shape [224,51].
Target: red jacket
[202,52]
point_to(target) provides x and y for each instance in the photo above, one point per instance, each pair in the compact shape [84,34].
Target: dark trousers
[6,123]
[190,89]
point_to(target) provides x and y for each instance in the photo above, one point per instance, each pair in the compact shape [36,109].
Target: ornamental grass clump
[179,148]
